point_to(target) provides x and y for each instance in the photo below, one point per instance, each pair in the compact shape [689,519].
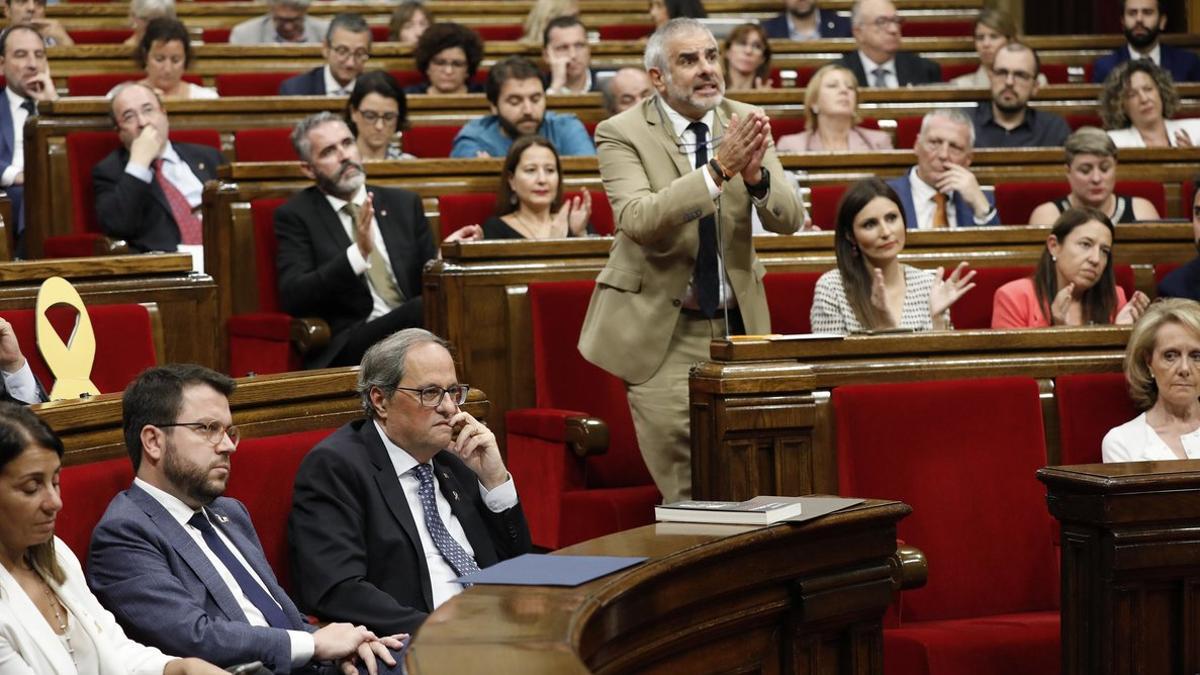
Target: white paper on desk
[815,507]
[197,253]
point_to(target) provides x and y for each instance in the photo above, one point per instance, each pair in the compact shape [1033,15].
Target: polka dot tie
[454,554]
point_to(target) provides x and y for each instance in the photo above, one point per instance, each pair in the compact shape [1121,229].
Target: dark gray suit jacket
[311,83]
[910,69]
[147,570]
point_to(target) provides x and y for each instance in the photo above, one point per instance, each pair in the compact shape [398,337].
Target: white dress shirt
[923,205]
[358,262]
[302,642]
[21,385]
[19,115]
[869,66]
[332,87]
[1137,441]
[1154,55]
[441,575]
[795,34]
[177,171]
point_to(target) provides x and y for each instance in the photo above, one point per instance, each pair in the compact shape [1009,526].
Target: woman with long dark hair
[529,204]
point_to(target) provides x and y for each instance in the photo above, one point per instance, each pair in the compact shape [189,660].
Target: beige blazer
[658,199]
[28,646]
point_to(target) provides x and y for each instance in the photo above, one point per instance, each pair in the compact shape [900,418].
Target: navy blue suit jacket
[311,83]
[829,25]
[1184,282]
[1183,64]
[16,193]
[146,569]
[962,210]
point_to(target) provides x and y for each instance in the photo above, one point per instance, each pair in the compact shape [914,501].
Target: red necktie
[190,229]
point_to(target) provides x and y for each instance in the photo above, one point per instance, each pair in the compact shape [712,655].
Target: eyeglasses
[1017,75]
[372,117]
[453,64]
[431,396]
[213,432]
[885,21]
[344,52]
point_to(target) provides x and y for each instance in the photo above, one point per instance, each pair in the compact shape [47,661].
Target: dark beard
[511,129]
[804,15]
[1140,42]
[1010,109]
[191,480]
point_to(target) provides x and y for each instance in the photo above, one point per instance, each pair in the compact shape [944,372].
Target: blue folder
[535,569]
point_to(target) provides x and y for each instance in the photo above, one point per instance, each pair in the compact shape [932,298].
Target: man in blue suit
[1142,22]
[27,73]
[1184,282]
[346,49]
[181,566]
[803,20]
[940,191]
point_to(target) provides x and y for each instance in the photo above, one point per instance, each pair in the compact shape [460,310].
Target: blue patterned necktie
[250,588]
[462,563]
[704,273]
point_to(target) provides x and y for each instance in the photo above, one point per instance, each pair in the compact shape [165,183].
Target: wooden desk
[187,302]
[1130,566]
[805,598]
[761,411]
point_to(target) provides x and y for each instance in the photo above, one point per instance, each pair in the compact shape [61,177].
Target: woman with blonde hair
[831,117]
[994,28]
[1162,366]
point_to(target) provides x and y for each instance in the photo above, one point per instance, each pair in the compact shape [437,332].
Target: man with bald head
[878,61]
[626,89]
[148,190]
[679,269]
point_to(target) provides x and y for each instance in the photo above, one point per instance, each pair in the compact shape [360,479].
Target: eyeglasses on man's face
[213,432]
[431,396]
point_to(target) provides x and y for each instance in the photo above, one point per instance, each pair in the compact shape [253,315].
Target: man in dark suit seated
[1142,22]
[940,191]
[17,383]
[180,565]
[389,510]
[1184,282]
[878,61]
[346,49]
[803,20]
[27,76]
[350,253]
[148,190]
[565,50]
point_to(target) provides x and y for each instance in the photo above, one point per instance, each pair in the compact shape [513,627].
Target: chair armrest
[309,334]
[909,568]
[82,246]
[585,436]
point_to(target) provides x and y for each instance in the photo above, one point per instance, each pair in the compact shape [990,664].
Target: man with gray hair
[684,170]
[346,48]
[389,510]
[878,61]
[940,191]
[286,22]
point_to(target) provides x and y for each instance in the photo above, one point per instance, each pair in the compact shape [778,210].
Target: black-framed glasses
[371,117]
[213,432]
[1017,75]
[432,395]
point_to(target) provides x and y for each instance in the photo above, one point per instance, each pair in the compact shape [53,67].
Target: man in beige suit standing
[682,170]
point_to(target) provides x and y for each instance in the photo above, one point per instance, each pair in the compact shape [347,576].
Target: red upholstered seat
[786,126]
[100,36]
[472,208]
[568,499]
[217,35]
[264,145]
[380,33]
[86,491]
[124,342]
[625,31]
[1015,201]
[825,199]
[261,479]
[953,70]
[408,77]
[1056,73]
[1078,120]
[99,84]
[1088,406]
[963,454]
[430,141]
[251,84]
[85,149]
[502,33]
[1161,271]
[974,310]
[907,129]
[789,300]
[260,342]
[938,28]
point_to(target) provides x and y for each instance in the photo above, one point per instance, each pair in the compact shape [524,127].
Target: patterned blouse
[831,311]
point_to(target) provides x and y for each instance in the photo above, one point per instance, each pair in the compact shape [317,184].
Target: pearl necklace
[62,621]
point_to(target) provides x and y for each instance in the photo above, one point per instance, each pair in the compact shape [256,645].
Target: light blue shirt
[564,130]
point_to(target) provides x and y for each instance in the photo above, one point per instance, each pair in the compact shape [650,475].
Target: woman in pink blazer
[831,116]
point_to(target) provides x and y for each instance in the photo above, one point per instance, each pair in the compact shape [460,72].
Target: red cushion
[85,149]
[381,33]
[264,145]
[1088,406]
[251,84]
[974,310]
[100,36]
[963,454]
[785,126]
[262,212]
[789,300]
[86,491]
[261,344]
[219,35]
[408,77]
[939,28]
[1025,642]
[261,478]
[587,514]
[907,129]
[71,245]
[430,141]
[825,200]
[99,84]
[503,33]
[1153,191]
[625,31]
[124,342]
[1056,73]
[459,210]
[1161,271]
[1015,201]
[1075,121]
[953,70]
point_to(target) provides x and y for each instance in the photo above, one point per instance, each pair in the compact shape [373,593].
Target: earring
[513,199]
[1053,258]
[816,110]
[854,250]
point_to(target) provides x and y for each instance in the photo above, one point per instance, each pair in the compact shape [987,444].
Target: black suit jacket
[311,83]
[315,277]
[910,69]
[138,212]
[356,555]
[829,25]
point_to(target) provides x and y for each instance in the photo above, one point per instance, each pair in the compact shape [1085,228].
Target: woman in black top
[530,202]
[1092,174]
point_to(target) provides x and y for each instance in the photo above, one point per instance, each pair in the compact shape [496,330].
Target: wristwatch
[759,190]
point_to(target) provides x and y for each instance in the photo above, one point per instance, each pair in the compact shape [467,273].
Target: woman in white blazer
[1137,103]
[50,623]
